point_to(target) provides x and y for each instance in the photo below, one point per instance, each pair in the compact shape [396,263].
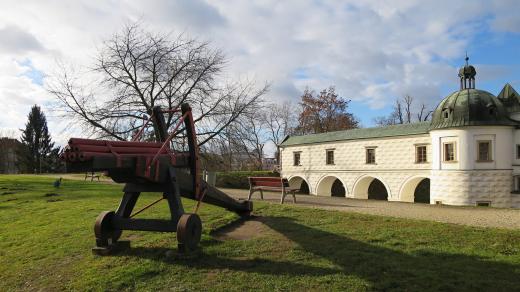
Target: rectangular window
[449,152]
[329,157]
[484,151]
[516,183]
[420,154]
[370,155]
[483,203]
[297,159]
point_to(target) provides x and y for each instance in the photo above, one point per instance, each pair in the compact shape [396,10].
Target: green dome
[470,107]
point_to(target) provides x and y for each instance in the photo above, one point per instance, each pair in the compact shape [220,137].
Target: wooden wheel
[189,230]
[106,235]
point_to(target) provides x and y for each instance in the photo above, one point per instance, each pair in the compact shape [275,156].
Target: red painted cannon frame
[151,167]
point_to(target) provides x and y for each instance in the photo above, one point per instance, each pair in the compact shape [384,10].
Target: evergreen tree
[38,153]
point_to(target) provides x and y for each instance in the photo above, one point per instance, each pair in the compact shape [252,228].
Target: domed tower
[472,147]
[467,76]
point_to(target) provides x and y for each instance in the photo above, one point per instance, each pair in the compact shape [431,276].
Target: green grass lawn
[46,241]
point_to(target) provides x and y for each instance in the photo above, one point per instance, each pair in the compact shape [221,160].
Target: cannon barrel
[83,141]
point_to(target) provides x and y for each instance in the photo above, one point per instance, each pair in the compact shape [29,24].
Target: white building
[469,154]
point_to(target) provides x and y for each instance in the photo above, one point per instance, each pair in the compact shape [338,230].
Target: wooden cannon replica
[151,167]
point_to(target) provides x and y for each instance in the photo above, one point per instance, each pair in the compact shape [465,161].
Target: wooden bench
[92,175]
[271,184]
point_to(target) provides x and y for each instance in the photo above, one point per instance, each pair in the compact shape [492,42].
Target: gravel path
[473,216]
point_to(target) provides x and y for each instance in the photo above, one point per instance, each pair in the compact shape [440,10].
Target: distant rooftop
[361,133]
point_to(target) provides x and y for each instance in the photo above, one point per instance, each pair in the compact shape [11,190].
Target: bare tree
[241,144]
[403,113]
[250,138]
[279,120]
[424,114]
[408,100]
[138,70]
[397,114]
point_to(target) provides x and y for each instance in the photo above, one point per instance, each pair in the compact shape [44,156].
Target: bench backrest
[266,182]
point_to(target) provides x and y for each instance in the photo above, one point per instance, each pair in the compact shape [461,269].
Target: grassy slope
[45,244]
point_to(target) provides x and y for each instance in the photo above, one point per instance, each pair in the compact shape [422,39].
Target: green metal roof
[361,133]
[510,98]
[470,107]
[508,92]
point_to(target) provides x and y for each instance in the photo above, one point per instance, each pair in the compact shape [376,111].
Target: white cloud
[17,93]
[372,51]
[16,41]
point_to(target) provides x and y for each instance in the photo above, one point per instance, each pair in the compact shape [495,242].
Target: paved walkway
[473,216]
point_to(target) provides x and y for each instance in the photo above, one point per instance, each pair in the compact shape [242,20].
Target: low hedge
[238,179]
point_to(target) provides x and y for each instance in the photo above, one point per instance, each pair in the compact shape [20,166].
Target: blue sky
[371,51]
[495,52]
[498,50]
[36,76]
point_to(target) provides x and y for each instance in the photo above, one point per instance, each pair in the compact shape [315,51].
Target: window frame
[516,184]
[489,152]
[327,151]
[417,153]
[299,153]
[446,112]
[484,203]
[367,149]
[444,152]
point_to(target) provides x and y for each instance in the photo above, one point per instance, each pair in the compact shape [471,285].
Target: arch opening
[299,183]
[369,187]
[416,190]
[337,189]
[422,192]
[331,186]
[377,190]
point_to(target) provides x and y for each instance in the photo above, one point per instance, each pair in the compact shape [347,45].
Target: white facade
[469,154]
[465,180]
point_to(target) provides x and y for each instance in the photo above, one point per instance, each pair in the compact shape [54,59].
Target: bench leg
[261,194]
[283,198]
[250,194]
[294,197]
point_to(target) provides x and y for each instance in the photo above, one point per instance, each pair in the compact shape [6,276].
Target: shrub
[238,179]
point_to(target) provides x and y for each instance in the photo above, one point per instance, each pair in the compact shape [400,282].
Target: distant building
[9,155]
[469,154]
[269,163]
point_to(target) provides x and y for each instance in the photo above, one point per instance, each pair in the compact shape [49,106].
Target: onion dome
[470,106]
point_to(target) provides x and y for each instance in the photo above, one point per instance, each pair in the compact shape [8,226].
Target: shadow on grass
[384,268]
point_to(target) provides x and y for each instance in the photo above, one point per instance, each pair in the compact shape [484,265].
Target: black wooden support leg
[127,204]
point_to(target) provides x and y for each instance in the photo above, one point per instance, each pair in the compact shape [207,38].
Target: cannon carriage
[151,167]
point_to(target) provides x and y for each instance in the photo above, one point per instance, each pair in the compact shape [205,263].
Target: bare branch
[136,70]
